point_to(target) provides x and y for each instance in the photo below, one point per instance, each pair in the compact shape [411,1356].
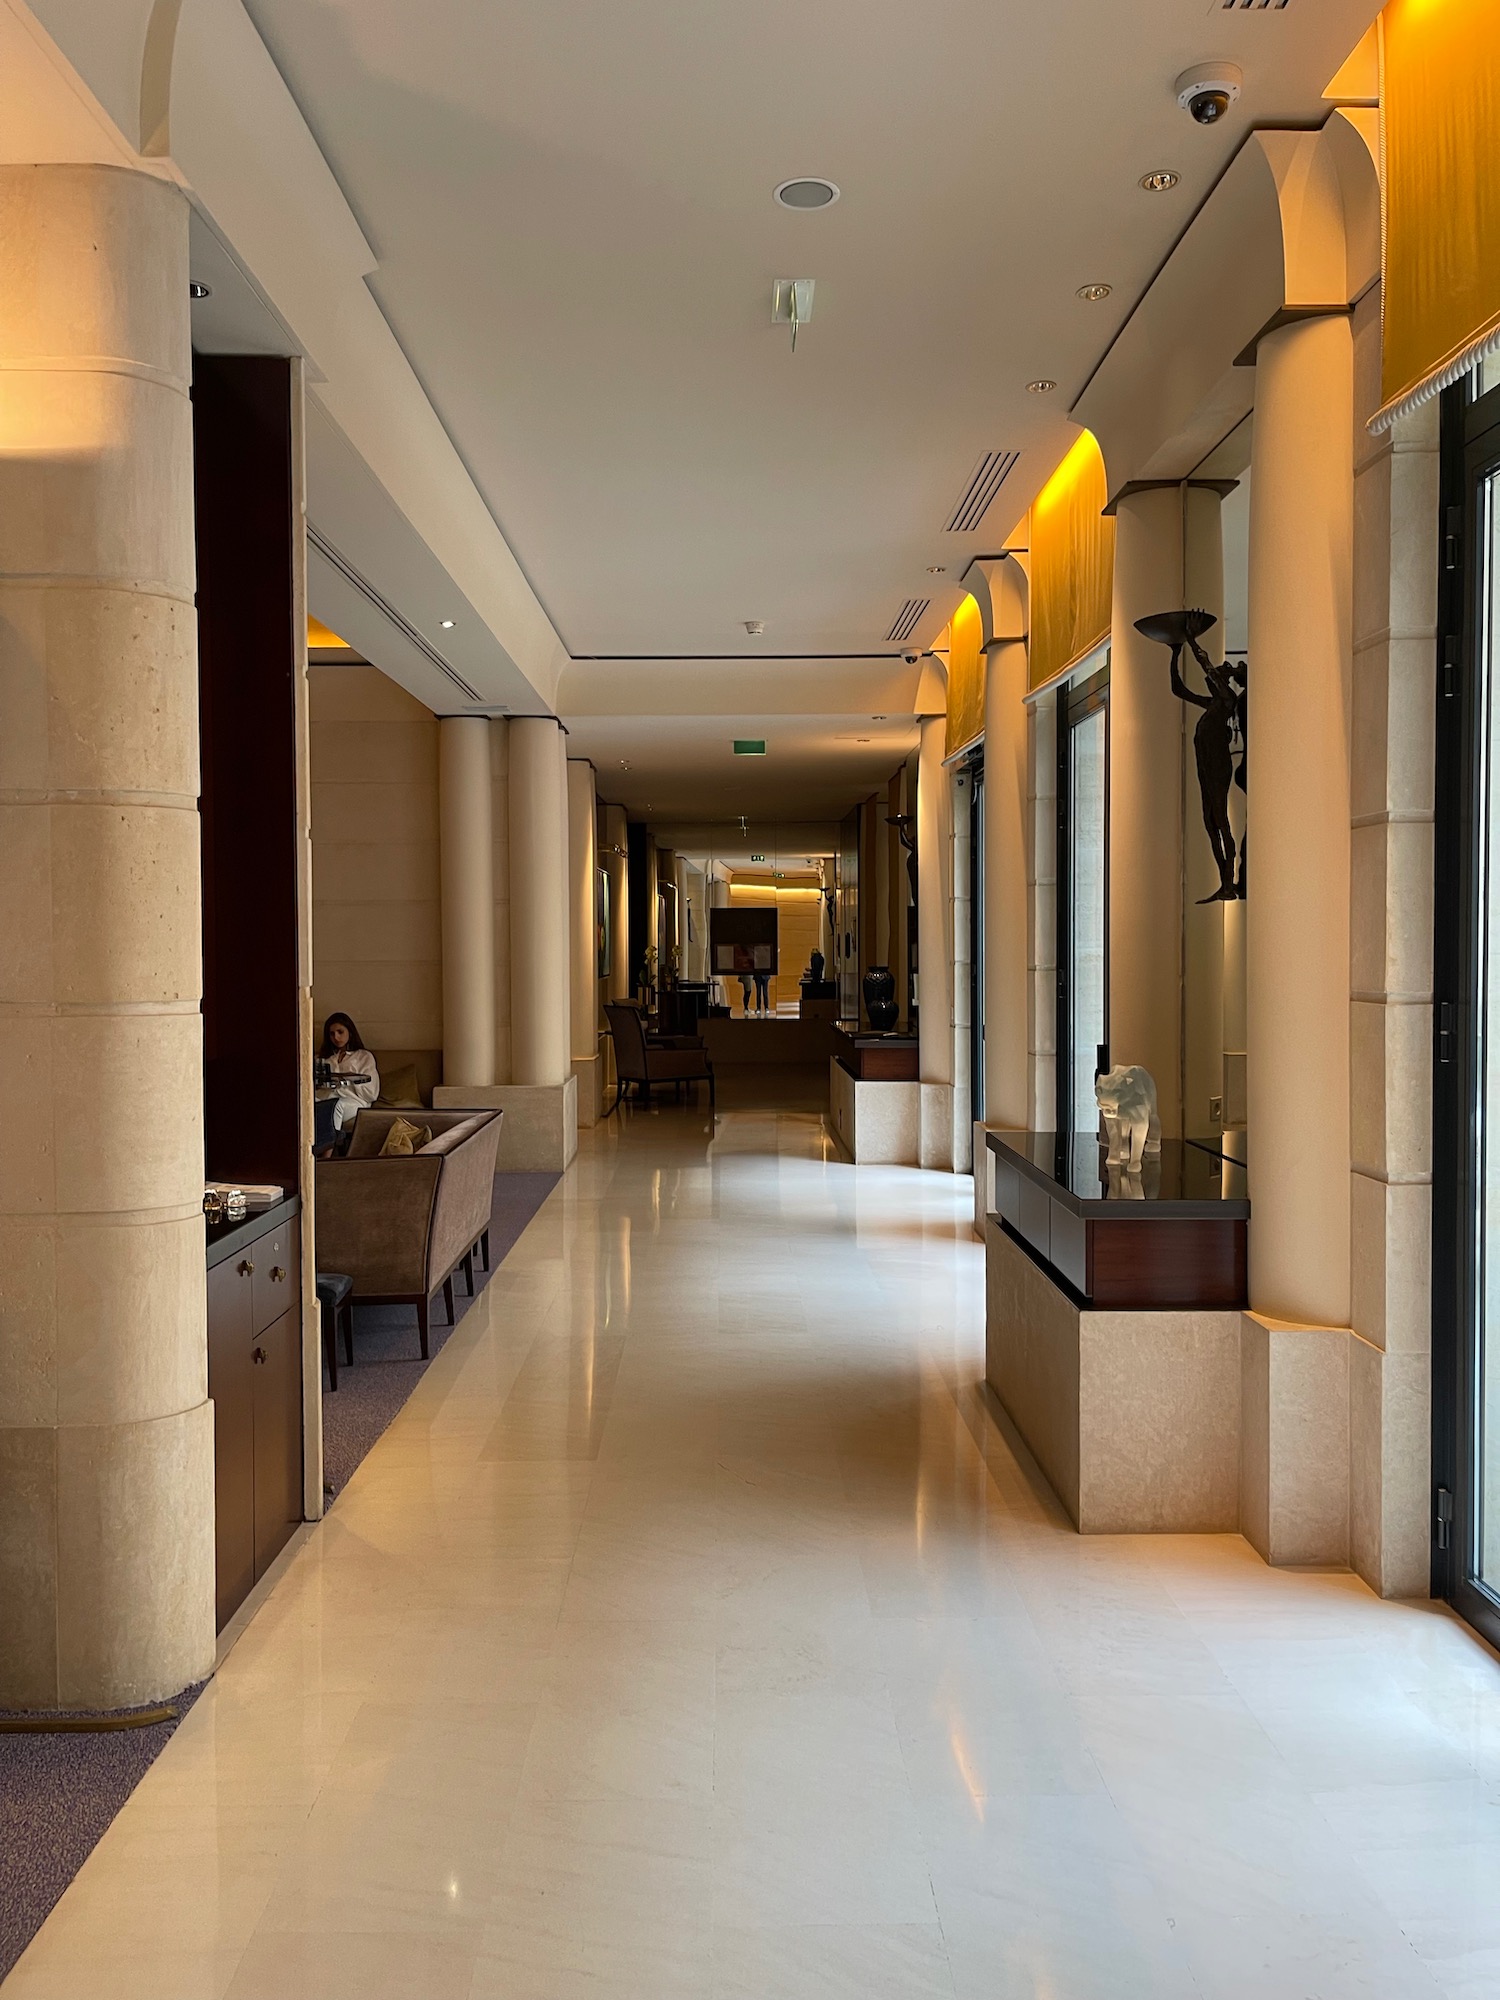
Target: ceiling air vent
[989,476]
[1245,5]
[907,620]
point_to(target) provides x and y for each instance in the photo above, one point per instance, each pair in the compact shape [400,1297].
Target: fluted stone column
[934,945]
[539,963]
[1297,943]
[1296,1344]
[1145,801]
[468,899]
[106,1434]
[583,940]
[619,902]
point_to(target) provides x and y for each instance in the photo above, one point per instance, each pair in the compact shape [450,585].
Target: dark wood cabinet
[255,1381]
[232,1389]
[276,1369]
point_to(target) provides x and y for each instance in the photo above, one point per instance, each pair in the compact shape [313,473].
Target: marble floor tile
[698,1632]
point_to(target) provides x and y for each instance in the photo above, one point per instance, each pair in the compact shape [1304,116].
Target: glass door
[1466,1121]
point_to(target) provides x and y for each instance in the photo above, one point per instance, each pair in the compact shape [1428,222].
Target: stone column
[106,1433]
[539,962]
[583,1011]
[1297,940]
[1295,1349]
[1145,802]
[619,903]
[934,945]
[466,834]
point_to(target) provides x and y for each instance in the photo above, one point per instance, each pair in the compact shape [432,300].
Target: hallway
[695,1632]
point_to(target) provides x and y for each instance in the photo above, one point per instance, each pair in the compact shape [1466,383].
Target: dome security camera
[911,659]
[1206,93]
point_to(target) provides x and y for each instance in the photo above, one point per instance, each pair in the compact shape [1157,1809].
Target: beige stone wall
[377,932]
[1391,812]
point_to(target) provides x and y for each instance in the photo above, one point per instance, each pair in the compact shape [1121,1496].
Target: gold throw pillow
[404,1137]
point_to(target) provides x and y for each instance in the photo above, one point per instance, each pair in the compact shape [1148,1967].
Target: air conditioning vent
[907,620]
[988,477]
[1245,5]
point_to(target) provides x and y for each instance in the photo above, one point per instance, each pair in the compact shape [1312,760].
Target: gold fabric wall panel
[1072,564]
[965,677]
[1440,135]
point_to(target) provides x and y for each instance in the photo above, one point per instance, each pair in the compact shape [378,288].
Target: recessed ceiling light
[877,718]
[937,569]
[861,739]
[1093,293]
[1160,181]
[812,192]
[446,623]
[198,290]
[755,626]
[1042,386]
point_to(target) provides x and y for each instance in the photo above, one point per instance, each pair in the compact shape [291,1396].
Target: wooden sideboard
[255,1381]
[1173,1236]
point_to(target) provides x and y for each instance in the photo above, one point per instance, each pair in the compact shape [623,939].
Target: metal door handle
[246,1267]
[277,1274]
[259,1355]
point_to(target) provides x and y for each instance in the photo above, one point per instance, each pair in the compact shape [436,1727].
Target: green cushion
[399,1088]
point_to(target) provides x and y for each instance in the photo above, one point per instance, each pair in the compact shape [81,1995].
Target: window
[1466,1072]
[1082,896]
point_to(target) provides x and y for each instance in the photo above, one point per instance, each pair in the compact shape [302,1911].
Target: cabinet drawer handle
[277,1274]
[246,1267]
[259,1355]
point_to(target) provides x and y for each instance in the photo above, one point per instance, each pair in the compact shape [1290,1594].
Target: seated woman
[353,1077]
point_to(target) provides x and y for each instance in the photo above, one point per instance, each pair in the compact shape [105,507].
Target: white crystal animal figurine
[1127,1098]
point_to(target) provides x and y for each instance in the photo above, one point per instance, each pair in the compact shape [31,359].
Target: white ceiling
[684,767]
[571,208]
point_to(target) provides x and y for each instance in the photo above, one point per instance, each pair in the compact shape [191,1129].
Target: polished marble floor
[696,1632]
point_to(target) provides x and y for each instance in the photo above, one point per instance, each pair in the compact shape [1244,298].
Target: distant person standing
[762,990]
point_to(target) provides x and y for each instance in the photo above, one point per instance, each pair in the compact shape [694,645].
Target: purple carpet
[388,1361]
[57,1795]
[59,1792]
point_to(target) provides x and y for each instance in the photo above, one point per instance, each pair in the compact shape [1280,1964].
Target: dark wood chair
[645,1063]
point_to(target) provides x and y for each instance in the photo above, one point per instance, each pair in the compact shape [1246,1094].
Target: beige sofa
[401,1227]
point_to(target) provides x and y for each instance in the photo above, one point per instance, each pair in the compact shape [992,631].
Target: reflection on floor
[695,1631]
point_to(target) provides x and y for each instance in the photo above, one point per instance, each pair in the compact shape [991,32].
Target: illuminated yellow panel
[319,635]
[1072,564]
[965,677]
[1440,101]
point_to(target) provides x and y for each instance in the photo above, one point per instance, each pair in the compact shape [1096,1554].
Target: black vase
[879,986]
[815,966]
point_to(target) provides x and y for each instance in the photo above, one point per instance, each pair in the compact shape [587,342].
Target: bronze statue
[1214,735]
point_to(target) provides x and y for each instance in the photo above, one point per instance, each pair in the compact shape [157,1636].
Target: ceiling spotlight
[877,718]
[446,623]
[861,739]
[198,290]
[1042,386]
[1093,293]
[937,569]
[813,192]
[1160,181]
[624,763]
[755,626]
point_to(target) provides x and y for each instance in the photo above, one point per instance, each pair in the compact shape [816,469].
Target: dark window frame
[1075,702]
[1470,451]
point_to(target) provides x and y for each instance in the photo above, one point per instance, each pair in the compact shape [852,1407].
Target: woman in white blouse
[355,1080]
